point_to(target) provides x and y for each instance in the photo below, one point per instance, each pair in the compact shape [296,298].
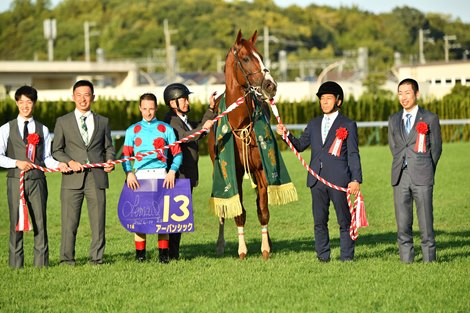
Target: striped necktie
[84,130]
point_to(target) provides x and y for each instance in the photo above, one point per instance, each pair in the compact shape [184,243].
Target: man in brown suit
[177,99]
[81,137]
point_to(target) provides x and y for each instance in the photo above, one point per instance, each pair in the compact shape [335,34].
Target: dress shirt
[7,162]
[332,117]
[184,118]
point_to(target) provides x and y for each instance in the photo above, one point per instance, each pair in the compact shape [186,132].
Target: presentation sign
[152,209]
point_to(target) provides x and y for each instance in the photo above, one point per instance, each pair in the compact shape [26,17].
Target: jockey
[144,136]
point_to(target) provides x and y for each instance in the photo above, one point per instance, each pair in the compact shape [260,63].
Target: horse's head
[245,64]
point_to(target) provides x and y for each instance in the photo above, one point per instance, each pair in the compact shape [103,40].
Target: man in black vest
[24,141]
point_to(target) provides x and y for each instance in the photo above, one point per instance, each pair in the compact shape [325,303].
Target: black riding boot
[164,255]
[140,255]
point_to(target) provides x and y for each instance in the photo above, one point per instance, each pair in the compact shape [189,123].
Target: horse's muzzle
[269,88]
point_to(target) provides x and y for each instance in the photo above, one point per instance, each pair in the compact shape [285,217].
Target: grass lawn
[291,281]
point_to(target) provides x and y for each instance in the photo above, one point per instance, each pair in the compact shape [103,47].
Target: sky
[455,8]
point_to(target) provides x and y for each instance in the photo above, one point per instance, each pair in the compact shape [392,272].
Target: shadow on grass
[368,246]
[450,246]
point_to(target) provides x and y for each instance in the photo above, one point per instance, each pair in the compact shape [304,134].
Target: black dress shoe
[322,260]
[164,256]
[140,255]
[348,259]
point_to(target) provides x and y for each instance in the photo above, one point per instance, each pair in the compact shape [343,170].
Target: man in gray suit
[81,137]
[414,137]
[18,152]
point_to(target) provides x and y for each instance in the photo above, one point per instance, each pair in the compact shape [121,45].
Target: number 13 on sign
[183,207]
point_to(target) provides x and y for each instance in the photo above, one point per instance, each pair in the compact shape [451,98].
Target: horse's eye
[246,59]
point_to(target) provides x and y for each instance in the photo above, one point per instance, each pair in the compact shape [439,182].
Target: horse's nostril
[271,87]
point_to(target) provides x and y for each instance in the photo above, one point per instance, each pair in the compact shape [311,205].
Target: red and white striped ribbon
[23,218]
[23,221]
[357,210]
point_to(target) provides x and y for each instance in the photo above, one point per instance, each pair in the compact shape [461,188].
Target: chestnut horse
[246,76]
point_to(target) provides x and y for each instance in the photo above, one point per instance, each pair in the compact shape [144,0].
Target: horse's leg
[240,221]
[263,212]
[221,240]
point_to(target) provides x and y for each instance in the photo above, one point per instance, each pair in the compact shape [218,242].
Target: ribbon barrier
[23,220]
[357,209]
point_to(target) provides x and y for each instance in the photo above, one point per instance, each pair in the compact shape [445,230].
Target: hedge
[367,108]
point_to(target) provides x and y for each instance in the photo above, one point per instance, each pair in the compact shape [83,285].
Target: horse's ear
[254,37]
[239,37]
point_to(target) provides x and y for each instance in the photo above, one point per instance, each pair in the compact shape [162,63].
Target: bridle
[256,90]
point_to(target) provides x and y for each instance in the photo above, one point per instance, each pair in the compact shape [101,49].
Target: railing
[375,135]
[378,124]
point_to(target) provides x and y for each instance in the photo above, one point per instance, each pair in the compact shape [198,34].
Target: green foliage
[291,281]
[203,30]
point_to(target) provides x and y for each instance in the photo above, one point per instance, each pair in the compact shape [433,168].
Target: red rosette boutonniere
[32,142]
[422,129]
[33,139]
[158,144]
[341,135]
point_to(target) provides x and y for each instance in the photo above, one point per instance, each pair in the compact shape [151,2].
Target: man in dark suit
[81,137]
[24,141]
[333,140]
[414,137]
[176,97]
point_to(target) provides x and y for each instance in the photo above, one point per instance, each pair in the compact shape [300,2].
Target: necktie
[25,132]
[326,128]
[84,130]
[408,123]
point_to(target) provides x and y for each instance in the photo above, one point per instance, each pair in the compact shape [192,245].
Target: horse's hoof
[265,255]
[242,256]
